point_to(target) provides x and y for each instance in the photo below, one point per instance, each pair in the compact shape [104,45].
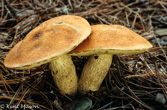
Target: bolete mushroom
[50,42]
[104,42]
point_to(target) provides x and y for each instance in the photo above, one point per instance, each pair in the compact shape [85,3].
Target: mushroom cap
[48,41]
[111,39]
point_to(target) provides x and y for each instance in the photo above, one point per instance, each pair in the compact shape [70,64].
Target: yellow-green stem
[94,72]
[64,75]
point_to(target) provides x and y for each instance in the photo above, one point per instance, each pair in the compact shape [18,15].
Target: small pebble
[160,98]
[161,41]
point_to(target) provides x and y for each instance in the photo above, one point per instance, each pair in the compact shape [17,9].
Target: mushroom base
[64,75]
[94,72]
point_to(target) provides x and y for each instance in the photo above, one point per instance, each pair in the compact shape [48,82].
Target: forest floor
[134,82]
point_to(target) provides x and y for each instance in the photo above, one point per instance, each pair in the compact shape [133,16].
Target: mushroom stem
[64,75]
[94,72]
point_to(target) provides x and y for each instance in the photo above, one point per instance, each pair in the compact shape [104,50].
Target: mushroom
[104,42]
[50,42]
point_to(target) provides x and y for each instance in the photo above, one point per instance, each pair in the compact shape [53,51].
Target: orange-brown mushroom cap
[112,39]
[49,40]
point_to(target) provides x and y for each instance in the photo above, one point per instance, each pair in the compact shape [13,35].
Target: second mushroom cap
[113,39]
